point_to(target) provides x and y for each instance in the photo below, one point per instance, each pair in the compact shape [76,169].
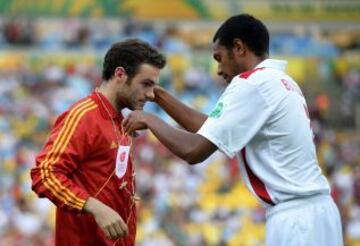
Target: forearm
[187,117]
[58,188]
[182,143]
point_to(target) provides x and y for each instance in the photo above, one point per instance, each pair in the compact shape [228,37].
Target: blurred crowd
[206,204]
[99,34]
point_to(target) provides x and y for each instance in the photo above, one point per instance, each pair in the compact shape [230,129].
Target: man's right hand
[107,219]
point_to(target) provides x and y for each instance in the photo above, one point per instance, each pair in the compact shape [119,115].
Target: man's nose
[150,95]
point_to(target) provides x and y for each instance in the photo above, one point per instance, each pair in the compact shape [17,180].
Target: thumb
[126,121]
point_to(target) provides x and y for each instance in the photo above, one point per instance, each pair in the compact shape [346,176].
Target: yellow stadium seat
[160,9]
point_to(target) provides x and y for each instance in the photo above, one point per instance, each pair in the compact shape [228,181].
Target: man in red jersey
[86,167]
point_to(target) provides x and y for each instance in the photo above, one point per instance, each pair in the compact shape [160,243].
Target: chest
[107,138]
[109,146]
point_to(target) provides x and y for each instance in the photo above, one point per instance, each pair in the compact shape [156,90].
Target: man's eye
[147,84]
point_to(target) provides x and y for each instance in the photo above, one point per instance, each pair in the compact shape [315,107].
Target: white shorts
[313,221]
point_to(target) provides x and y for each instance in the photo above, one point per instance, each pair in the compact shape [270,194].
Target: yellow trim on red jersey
[57,149]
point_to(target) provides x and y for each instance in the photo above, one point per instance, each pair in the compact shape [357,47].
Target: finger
[127,125]
[127,130]
[107,233]
[124,227]
[125,121]
[133,134]
[113,232]
[131,128]
[120,232]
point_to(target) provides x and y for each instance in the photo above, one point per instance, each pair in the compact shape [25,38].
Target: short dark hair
[130,54]
[250,30]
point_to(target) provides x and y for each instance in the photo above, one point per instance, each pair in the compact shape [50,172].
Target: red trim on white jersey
[247,74]
[257,185]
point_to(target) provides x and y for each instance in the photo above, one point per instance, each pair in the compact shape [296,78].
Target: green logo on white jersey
[216,113]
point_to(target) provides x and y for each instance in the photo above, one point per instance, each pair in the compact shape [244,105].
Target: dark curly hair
[251,31]
[130,54]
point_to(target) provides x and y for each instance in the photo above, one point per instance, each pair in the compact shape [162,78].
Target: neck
[253,61]
[107,90]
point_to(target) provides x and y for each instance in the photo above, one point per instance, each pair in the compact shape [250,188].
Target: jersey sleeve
[65,149]
[239,114]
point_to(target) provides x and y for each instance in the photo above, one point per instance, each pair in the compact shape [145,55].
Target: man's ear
[120,73]
[239,47]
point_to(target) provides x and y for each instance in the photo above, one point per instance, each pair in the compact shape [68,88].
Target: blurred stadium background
[51,54]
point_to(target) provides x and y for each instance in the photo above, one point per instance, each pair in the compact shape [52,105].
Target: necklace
[123,186]
[116,130]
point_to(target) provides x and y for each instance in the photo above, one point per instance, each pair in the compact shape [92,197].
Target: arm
[107,219]
[189,146]
[187,117]
[55,163]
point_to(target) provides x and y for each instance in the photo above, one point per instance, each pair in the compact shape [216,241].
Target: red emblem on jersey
[247,74]
[122,156]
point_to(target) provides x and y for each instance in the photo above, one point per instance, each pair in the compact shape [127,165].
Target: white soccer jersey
[262,118]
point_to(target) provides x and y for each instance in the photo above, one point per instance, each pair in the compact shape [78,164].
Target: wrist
[90,205]
[150,121]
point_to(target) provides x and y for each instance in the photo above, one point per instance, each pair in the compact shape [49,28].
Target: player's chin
[139,107]
[227,79]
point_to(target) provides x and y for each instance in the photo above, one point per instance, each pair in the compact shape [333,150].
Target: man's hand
[157,90]
[107,219]
[136,120]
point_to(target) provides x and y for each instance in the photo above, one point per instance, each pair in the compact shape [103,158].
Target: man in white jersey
[262,119]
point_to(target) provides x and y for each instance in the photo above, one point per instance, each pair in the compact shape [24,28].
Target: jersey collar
[272,63]
[104,102]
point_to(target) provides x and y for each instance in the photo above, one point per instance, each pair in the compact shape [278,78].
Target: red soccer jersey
[78,161]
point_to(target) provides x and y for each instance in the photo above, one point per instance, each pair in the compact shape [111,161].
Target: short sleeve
[239,114]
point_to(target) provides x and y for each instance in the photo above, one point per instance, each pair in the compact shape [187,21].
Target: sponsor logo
[113,145]
[217,112]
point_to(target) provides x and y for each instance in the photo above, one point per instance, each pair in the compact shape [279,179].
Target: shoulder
[253,78]
[266,80]
[261,74]
[247,80]
[249,73]
[260,83]
[82,104]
